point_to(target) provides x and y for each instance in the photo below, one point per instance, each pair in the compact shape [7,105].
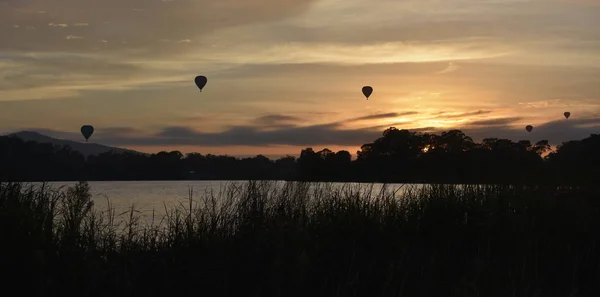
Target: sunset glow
[285,75]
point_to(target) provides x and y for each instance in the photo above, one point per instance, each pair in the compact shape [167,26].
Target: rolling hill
[85,149]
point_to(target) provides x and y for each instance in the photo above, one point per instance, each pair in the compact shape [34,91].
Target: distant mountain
[85,149]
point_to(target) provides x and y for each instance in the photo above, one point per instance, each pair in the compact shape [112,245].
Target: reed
[305,239]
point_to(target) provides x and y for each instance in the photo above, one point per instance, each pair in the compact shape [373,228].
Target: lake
[146,196]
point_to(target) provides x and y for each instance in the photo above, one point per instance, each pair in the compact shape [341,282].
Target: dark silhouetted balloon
[567,114]
[87,131]
[367,91]
[529,128]
[200,82]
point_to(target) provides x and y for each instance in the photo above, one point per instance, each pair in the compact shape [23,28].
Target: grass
[260,239]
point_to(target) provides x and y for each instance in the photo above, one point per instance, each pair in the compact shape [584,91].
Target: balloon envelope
[200,82]
[529,128]
[87,131]
[367,91]
[567,114]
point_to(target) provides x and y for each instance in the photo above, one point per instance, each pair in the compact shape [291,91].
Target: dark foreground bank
[261,240]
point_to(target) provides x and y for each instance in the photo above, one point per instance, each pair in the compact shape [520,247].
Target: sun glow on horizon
[282,73]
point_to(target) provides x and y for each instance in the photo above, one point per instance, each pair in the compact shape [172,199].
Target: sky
[284,75]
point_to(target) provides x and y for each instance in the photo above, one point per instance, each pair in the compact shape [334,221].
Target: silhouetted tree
[396,156]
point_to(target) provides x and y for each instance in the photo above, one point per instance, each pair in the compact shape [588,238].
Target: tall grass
[261,239]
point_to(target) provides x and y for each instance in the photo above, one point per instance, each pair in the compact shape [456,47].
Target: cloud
[383,116]
[451,68]
[586,2]
[398,125]
[276,119]
[463,115]
[495,122]
[564,102]
[278,56]
[44,73]
[555,132]
[99,132]
[177,133]
[140,23]
[58,25]
[519,21]
[226,34]
[294,52]
[240,135]
[121,131]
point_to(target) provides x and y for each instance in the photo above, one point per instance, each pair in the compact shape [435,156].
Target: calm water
[146,196]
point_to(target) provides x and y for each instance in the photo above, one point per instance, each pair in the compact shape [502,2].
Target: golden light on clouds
[393,52]
[283,74]
[58,25]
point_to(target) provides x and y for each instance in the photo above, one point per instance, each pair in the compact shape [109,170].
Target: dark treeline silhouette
[397,156]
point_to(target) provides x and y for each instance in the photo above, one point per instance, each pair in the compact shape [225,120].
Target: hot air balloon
[87,131]
[367,91]
[200,81]
[529,128]
[567,114]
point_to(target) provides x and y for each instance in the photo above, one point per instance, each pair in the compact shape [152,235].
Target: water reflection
[151,199]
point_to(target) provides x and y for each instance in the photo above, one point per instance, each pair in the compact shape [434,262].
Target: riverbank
[297,240]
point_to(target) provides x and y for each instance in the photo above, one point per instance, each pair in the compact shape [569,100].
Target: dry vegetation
[260,239]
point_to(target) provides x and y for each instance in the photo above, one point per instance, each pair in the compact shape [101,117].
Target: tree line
[399,156]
